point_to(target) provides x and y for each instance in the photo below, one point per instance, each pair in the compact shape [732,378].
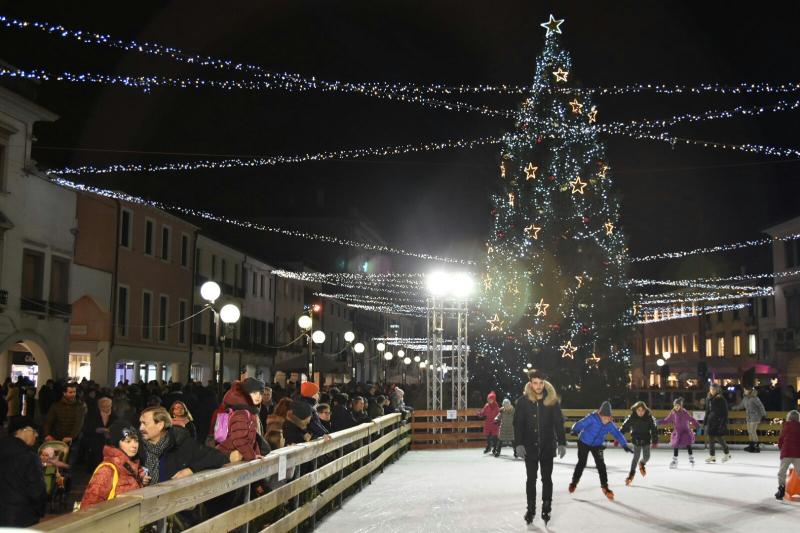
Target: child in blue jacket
[592,430]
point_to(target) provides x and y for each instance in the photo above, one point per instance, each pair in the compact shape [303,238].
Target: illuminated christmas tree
[554,292]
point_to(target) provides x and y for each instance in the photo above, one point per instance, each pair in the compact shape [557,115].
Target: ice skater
[682,431]
[539,434]
[506,422]
[488,413]
[789,444]
[644,432]
[716,423]
[592,430]
[755,413]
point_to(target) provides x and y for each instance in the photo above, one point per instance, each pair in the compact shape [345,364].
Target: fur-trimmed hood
[550,396]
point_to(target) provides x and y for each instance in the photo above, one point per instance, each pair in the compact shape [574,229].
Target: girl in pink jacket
[490,429]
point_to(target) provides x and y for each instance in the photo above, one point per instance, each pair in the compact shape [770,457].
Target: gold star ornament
[592,115]
[568,350]
[577,107]
[511,199]
[533,231]
[578,185]
[541,308]
[530,172]
[561,74]
[609,228]
[593,361]
[580,281]
[552,26]
[495,324]
[603,170]
[502,169]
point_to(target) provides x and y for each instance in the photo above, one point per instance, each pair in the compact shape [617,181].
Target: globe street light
[666,356]
[358,348]
[349,336]
[660,362]
[230,313]
[388,356]
[417,359]
[318,337]
[304,322]
[380,347]
[401,353]
[210,291]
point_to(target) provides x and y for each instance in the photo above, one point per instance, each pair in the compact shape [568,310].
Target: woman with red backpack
[242,404]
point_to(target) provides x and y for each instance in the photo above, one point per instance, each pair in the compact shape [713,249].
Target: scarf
[154,453]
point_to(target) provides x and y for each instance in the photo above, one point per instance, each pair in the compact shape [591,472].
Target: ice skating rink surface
[457,491]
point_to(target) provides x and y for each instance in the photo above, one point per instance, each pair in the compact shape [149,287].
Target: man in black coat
[716,422]
[538,435]
[341,417]
[22,491]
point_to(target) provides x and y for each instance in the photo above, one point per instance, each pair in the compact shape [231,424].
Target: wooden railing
[355,454]
[433,430]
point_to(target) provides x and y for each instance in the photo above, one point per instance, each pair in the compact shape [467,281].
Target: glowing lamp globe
[349,336]
[401,353]
[318,337]
[358,347]
[660,362]
[304,322]
[666,356]
[230,313]
[380,347]
[407,360]
[388,356]
[417,359]
[210,291]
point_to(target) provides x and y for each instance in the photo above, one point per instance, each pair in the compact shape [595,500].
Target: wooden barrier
[432,429]
[358,451]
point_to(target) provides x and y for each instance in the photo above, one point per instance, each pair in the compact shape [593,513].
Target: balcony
[33,305]
[59,309]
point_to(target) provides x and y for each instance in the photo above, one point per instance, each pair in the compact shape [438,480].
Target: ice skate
[711,459]
[608,492]
[781,492]
[629,479]
[756,447]
[529,514]
[750,447]
[726,458]
[642,469]
[572,487]
[546,508]
[674,463]
[691,460]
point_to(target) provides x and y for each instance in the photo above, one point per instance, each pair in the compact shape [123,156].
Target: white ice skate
[674,463]
[691,460]
[726,458]
[711,459]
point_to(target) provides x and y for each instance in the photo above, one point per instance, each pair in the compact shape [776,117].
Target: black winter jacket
[22,491]
[185,452]
[539,424]
[643,428]
[717,416]
[342,418]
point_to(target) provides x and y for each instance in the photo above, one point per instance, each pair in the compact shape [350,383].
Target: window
[793,310]
[751,344]
[59,280]
[125,226]
[32,277]
[255,286]
[285,288]
[147,313]
[213,266]
[122,311]
[737,344]
[269,290]
[721,345]
[182,306]
[236,276]
[163,316]
[764,308]
[675,345]
[764,348]
[166,233]
[149,226]
[683,343]
[197,262]
[791,257]
[647,346]
[709,345]
[695,342]
[197,324]
[262,285]
[668,344]
[184,250]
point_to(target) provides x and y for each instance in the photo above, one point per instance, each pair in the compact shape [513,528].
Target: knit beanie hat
[308,389]
[491,396]
[121,430]
[506,401]
[605,409]
[793,416]
[17,423]
[252,385]
[301,409]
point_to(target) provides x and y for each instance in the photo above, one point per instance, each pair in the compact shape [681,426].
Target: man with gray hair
[789,444]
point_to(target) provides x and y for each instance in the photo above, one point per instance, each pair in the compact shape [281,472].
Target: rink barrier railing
[354,455]
[433,430]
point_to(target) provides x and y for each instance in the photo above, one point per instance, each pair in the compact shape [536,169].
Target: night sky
[435,202]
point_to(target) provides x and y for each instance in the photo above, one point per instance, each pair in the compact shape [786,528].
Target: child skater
[682,434]
[789,444]
[644,431]
[592,430]
[488,413]
[506,422]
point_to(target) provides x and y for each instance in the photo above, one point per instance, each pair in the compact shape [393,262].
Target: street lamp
[349,336]
[304,322]
[660,362]
[380,347]
[210,291]
[666,356]
[229,314]
[401,353]
[417,359]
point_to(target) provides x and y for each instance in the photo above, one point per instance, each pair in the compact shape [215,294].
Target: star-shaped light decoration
[577,107]
[580,281]
[552,25]
[635,309]
[578,185]
[541,308]
[511,199]
[529,331]
[495,324]
[592,115]
[568,350]
[609,228]
[560,74]
[502,169]
[487,282]
[530,172]
[533,231]
[593,361]
[603,170]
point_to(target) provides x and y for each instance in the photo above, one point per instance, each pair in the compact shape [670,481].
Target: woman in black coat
[716,423]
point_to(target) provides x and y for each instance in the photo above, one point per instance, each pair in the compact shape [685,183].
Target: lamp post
[358,348]
[228,314]
[387,356]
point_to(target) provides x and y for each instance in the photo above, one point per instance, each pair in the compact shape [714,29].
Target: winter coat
[292,433]
[129,474]
[752,406]
[643,429]
[505,420]
[717,416]
[65,419]
[315,427]
[488,413]
[22,490]
[538,422]
[361,418]
[592,432]
[682,434]
[274,423]
[341,418]
[789,441]
[374,410]
[94,438]
[185,452]
[243,424]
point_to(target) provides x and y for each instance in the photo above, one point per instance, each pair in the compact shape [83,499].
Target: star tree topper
[560,74]
[552,25]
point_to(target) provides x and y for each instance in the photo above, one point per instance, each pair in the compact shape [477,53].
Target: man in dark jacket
[359,412]
[65,422]
[170,452]
[716,422]
[22,490]
[539,433]
[341,417]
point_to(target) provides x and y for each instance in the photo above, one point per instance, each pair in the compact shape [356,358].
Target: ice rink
[466,491]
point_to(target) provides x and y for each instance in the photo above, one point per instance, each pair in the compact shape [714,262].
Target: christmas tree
[554,293]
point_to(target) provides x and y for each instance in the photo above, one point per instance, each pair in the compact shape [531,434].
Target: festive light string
[706,297]
[406,280]
[278,160]
[715,249]
[688,283]
[365,298]
[408,310]
[704,311]
[248,225]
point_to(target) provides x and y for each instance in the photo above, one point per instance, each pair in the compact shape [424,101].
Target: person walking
[490,430]
[682,433]
[538,435]
[717,423]
[755,412]
[644,433]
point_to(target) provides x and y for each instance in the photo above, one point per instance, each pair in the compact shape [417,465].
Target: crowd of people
[141,434]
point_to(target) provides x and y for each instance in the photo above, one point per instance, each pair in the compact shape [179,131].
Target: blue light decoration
[557,296]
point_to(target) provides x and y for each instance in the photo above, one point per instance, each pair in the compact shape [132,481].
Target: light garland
[704,311]
[714,249]
[707,297]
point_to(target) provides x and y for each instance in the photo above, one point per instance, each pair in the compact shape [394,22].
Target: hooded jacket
[752,406]
[592,432]
[99,487]
[643,429]
[243,424]
[538,422]
[489,412]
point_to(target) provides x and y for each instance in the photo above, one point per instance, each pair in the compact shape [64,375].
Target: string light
[704,311]
[715,249]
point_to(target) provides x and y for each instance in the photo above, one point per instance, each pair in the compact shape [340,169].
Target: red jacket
[243,424]
[99,486]
[789,441]
[490,412]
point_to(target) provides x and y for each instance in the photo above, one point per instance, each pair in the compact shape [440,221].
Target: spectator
[95,430]
[278,416]
[295,429]
[243,401]
[341,417]
[324,413]
[47,396]
[375,407]
[360,414]
[22,490]
[65,421]
[181,417]
[14,398]
[120,463]
[170,453]
[309,393]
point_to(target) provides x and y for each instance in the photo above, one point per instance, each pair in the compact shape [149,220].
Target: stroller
[54,455]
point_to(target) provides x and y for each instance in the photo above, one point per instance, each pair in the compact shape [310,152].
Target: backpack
[222,425]
[111,495]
